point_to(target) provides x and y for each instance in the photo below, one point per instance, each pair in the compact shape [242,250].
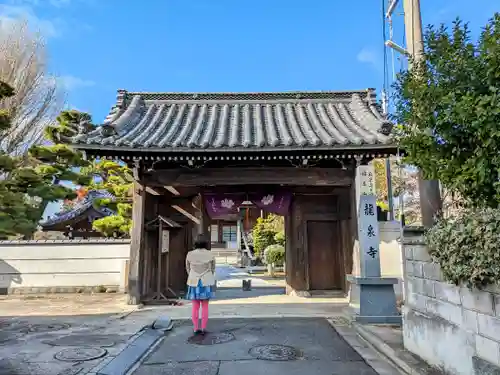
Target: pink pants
[195,314]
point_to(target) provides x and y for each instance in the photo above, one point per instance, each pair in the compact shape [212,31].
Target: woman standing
[200,267]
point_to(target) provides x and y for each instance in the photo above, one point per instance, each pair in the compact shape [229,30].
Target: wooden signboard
[165,241]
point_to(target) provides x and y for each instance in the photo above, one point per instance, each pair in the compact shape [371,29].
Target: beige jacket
[200,265]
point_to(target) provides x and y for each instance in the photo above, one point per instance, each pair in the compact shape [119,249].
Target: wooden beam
[152,191]
[136,245]
[186,213]
[173,190]
[261,176]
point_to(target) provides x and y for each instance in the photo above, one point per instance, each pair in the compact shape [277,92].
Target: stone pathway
[256,346]
[62,345]
[252,332]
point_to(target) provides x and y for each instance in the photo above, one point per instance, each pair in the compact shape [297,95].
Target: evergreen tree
[449,103]
[114,177]
[31,181]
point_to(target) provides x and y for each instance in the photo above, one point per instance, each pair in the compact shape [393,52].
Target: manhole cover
[82,340]
[38,328]
[6,337]
[211,338]
[274,352]
[80,354]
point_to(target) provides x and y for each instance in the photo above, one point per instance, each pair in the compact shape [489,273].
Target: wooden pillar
[135,275]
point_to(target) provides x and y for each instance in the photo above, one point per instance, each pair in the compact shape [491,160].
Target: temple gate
[185,147]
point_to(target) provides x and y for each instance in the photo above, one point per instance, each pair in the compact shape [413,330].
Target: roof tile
[222,121]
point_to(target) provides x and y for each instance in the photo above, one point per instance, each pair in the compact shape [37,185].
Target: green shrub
[263,236]
[279,238]
[467,247]
[275,254]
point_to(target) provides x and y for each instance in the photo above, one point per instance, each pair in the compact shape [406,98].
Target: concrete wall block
[497,305]
[428,288]
[418,269]
[478,300]
[416,284]
[409,268]
[489,326]
[432,271]
[450,312]
[492,288]
[408,252]
[470,321]
[447,292]
[411,299]
[421,302]
[420,253]
[488,349]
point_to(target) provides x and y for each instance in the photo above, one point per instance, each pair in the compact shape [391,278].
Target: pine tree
[114,177]
[31,181]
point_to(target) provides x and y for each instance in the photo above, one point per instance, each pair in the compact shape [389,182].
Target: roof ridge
[124,97]
[364,91]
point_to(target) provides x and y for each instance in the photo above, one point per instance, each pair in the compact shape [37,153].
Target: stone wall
[453,328]
[63,266]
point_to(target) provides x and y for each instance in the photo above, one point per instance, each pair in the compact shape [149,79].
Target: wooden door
[324,257]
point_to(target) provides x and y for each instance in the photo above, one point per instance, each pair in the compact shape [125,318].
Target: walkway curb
[386,351]
[148,338]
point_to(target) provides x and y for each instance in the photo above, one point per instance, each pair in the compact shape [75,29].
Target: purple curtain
[277,202]
[273,202]
[223,204]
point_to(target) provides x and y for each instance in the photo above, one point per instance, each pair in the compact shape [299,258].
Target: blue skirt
[200,292]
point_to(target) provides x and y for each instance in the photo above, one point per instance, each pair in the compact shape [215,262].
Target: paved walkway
[83,334]
[285,346]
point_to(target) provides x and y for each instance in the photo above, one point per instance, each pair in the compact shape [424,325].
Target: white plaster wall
[390,252]
[32,265]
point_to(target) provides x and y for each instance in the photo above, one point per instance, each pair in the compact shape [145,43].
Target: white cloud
[369,56]
[13,13]
[71,83]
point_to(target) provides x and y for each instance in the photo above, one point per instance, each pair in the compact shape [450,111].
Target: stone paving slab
[32,345]
[318,347]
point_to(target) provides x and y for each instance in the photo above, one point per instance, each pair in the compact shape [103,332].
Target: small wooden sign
[165,241]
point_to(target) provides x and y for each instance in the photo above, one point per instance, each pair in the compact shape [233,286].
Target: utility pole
[430,195]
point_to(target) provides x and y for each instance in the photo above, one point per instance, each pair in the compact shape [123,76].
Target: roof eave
[339,148]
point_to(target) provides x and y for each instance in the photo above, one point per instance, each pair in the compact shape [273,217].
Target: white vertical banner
[369,238]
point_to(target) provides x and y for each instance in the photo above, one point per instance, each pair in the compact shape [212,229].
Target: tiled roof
[165,122]
[81,208]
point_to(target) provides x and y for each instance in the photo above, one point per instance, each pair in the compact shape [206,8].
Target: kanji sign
[369,209]
[369,240]
[372,252]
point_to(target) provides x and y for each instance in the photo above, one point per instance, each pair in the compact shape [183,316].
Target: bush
[467,247]
[263,236]
[275,254]
[279,238]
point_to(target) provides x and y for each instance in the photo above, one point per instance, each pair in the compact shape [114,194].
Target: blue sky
[99,46]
